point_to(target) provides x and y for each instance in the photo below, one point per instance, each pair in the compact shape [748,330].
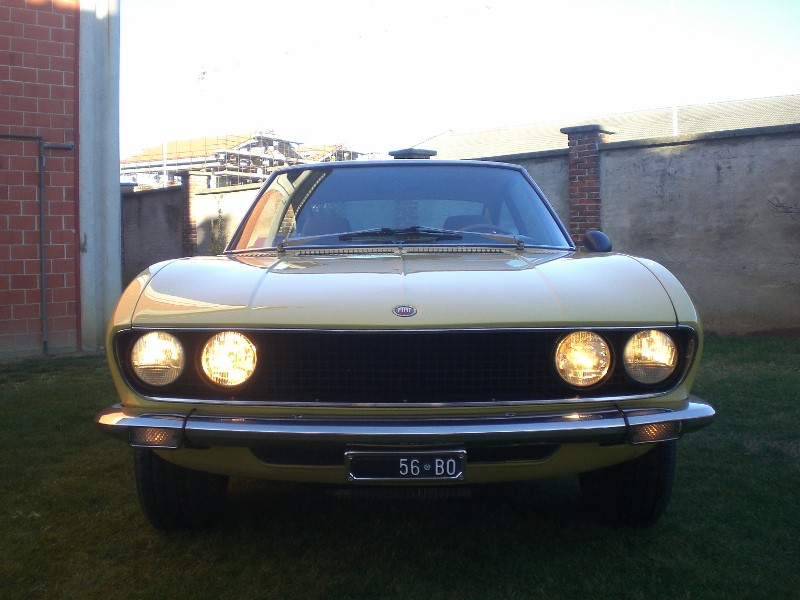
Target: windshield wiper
[450,234]
[303,240]
[404,234]
[501,238]
[378,232]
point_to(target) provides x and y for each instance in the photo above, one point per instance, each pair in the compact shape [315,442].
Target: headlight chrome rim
[228,359]
[650,357]
[158,358]
[583,359]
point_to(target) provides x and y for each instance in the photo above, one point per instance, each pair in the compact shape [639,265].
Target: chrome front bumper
[610,426]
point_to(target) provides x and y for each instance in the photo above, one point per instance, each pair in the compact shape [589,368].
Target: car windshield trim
[389,203]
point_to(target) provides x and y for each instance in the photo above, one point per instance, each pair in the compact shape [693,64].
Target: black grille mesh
[420,367]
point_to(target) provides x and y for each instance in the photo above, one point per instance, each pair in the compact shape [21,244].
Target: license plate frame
[406,466]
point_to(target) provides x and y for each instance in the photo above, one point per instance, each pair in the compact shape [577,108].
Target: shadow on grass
[259,504]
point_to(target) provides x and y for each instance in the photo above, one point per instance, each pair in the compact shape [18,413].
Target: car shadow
[255,504]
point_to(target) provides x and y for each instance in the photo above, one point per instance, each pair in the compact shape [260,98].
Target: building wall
[152,229]
[206,206]
[98,152]
[709,209]
[721,211]
[551,173]
[174,222]
[38,69]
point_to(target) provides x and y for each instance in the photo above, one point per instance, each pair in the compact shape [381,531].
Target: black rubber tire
[634,493]
[176,498]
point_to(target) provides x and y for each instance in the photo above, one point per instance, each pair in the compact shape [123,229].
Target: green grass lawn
[70,525]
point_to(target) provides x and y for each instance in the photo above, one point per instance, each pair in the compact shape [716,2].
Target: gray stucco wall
[721,211]
[206,207]
[152,223]
[550,171]
[151,229]
[706,209]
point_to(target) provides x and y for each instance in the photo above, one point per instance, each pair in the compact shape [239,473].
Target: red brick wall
[38,90]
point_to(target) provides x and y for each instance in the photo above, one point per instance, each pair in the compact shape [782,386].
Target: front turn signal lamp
[228,358]
[583,358]
[158,358]
[650,357]
[154,437]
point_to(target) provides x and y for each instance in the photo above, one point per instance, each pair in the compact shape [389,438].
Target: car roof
[400,163]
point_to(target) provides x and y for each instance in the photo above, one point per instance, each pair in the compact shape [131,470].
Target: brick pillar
[188,225]
[584,178]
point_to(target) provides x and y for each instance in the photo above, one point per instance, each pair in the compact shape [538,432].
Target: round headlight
[583,358]
[650,356]
[157,358]
[229,358]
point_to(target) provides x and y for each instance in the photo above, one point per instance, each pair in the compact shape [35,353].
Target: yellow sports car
[404,323]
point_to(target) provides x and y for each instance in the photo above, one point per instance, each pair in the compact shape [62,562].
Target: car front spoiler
[609,426]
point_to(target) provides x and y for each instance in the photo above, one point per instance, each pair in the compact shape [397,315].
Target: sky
[378,75]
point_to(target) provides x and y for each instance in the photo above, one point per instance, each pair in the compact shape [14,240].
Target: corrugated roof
[692,119]
[196,147]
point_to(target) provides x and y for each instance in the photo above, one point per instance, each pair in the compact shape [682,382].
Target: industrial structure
[226,161]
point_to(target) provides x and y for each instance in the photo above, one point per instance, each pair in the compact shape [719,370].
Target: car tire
[173,497]
[634,493]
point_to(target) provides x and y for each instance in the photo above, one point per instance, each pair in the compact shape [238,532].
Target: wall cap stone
[701,137]
[558,152]
[592,128]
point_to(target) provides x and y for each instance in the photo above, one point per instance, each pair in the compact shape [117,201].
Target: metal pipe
[42,146]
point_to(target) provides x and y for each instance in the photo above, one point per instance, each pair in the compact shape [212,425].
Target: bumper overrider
[610,426]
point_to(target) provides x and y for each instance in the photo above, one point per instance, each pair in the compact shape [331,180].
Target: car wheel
[174,497]
[634,492]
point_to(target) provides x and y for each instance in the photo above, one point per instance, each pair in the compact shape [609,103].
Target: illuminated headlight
[583,358]
[157,358]
[228,358]
[650,356]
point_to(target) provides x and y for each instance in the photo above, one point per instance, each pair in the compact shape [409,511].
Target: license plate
[447,465]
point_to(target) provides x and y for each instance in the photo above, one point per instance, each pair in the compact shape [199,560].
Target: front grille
[405,367]
[399,367]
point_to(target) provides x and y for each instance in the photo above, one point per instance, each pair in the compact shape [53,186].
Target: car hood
[450,288]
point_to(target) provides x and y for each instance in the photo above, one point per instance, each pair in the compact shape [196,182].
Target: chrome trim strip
[605,427]
[553,329]
[488,404]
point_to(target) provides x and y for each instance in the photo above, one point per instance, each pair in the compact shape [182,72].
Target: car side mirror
[596,241]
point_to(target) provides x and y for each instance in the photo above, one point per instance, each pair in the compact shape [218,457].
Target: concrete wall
[206,205]
[707,209]
[152,226]
[154,223]
[721,211]
[99,169]
[550,171]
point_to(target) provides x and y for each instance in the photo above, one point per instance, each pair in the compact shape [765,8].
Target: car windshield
[399,203]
